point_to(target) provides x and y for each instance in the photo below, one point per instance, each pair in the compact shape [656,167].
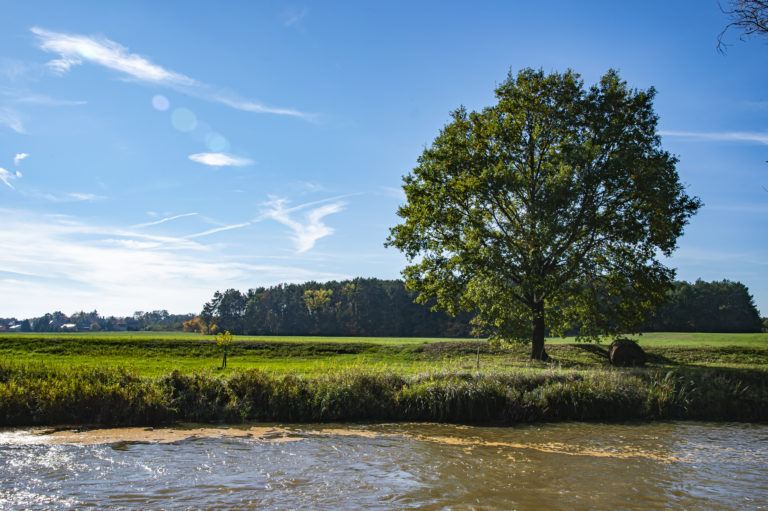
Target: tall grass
[34,394]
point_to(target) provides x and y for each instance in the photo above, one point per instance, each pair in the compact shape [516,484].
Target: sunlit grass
[153,354]
[646,339]
[191,336]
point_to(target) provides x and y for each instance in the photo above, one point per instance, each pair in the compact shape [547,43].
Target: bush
[40,395]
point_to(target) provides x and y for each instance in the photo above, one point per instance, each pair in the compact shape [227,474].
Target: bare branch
[750,17]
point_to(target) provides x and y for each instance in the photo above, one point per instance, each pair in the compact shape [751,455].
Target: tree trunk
[224,360]
[537,346]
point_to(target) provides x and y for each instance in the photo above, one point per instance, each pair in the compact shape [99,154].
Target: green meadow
[153,378]
[158,353]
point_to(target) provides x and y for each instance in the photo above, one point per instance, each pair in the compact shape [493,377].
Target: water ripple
[395,466]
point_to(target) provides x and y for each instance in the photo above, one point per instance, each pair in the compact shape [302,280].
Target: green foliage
[359,307]
[41,395]
[317,300]
[548,208]
[224,341]
[707,307]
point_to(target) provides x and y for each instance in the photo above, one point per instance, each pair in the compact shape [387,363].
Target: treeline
[723,306]
[374,307]
[359,307]
[159,320]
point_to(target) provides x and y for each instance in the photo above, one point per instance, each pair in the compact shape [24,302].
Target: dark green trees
[546,210]
[359,307]
[723,306]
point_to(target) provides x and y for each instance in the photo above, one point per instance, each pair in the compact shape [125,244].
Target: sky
[152,153]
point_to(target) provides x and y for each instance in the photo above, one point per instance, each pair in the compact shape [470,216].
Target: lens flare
[217,143]
[161,103]
[183,120]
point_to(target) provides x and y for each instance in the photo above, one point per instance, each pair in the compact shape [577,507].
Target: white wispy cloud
[294,16]
[6,176]
[306,233]
[69,264]
[163,220]
[74,49]
[84,196]
[19,157]
[218,229]
[11,119]
[727,136]
[70,197]
[739,208]
[755,104]
[27,97]
[39,99]
[13,69]
[393,191]
[220,160]
[251,106]
[699,255]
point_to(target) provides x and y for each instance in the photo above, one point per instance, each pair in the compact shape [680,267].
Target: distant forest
[159,320]
[383,308]
[359,307]
[373,307]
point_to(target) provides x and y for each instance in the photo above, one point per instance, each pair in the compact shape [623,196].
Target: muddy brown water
[389,466]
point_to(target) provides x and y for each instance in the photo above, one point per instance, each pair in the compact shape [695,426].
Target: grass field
[646,339]
[148,378]
[158,353]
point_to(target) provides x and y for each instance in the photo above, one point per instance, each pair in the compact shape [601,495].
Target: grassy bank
[42,395]
[147,379]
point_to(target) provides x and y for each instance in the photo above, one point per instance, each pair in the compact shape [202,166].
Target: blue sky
[154,152]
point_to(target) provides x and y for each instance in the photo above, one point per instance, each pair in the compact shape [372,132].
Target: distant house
[14,328]
[69,327]
[83,326]
[121,327]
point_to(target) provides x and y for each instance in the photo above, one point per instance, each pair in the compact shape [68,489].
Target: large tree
[546,211]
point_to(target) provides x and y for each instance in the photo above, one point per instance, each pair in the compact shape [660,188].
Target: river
[674,465]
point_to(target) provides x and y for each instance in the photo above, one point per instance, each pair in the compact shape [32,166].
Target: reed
[36,394]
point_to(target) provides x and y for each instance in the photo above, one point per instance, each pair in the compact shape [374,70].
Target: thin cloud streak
[12,120]
[163,220]
[23,96]
[37,99]
[250,106]
[74,50]
[218,229]
[71,197]
[735,136]
[294,16]
[697,255]
[220,160]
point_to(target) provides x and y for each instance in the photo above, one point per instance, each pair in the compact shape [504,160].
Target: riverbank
[37,394]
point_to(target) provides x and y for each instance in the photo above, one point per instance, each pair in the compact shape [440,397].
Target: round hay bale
[626,353]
